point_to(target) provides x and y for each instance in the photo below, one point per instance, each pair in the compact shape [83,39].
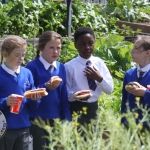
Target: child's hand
[138,91]
[51,86]
[12,100]
[36,96]
[93,73]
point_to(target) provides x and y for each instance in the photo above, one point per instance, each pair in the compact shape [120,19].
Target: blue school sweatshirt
[17,85]
[55,104]
[129,100]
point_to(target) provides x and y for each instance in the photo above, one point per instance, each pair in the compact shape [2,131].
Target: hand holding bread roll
[41,91]
[132,85]
[82,94]
[55,80]
[53,83]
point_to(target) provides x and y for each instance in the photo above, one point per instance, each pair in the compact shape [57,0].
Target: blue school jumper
[17,85]
[129,99]
[55,104]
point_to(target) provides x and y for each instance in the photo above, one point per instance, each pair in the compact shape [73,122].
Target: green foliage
[112,101]
[18,18]
[53,17]
[127,10]
[89,15]
[30,54]
[127,31]
[68,51]
[106,133]
[29,19]
[116,53]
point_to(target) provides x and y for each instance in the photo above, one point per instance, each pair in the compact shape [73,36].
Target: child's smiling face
[85,45]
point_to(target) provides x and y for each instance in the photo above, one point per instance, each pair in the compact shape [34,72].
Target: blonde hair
[10,43]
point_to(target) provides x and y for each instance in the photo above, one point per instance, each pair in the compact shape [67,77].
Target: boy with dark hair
[84,69]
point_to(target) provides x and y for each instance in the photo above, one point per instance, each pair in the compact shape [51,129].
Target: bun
[55,80]
[41,91]
[82,94]
[132,85]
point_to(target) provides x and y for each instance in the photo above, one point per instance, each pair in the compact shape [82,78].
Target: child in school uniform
[15,79]
[141,74]
[81,69]
[55,105]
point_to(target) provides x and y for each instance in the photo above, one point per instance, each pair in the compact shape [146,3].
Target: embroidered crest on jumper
[27,84]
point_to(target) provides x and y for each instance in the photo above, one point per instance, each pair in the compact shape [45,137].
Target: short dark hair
[81,31]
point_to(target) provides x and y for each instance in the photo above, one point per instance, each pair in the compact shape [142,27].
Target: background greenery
[29,19]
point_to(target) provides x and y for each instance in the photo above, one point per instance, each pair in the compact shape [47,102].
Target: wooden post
[69,8]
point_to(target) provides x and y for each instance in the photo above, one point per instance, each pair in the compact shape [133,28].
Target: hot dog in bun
[132,85]
[55,80]
[41,91]
[83,94]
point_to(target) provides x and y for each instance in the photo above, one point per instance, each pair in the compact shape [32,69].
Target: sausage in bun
[41,91]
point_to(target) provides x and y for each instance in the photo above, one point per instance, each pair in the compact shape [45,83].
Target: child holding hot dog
[139,75]
[15,79]
[43,69]
[86,72]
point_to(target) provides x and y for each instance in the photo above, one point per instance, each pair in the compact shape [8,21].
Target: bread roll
[132,85]
[41,91]
[55,80]
[82,94]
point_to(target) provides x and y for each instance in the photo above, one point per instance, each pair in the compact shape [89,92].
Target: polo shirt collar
[11,71]
[144,69]
[83,60]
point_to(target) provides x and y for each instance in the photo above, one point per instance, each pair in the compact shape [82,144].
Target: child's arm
[34,101]
[142,92]
[8,101]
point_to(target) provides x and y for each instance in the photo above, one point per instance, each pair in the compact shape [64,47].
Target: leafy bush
[127,10]
[29,19]
[105,133]
[112,101]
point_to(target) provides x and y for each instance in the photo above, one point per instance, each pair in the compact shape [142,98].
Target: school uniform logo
[3,125]
[27,84]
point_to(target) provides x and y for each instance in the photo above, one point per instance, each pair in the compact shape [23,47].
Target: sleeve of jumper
[146,99]
[32,104]
[3,104]
[64,103]
[107,84]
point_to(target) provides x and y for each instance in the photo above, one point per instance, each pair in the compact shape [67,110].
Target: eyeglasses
[137,51]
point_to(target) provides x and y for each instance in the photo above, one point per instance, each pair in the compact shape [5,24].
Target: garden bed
[144,27]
